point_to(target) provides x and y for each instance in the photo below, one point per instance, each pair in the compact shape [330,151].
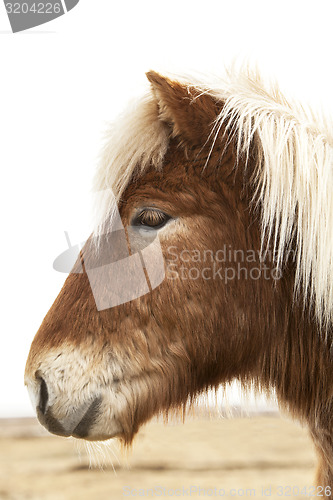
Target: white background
[59,85]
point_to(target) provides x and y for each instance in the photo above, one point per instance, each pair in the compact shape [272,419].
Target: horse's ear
[189,112]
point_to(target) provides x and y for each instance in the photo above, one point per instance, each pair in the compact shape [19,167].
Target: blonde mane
[293,147]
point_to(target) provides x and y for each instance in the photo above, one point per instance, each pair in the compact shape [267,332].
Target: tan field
[259,456]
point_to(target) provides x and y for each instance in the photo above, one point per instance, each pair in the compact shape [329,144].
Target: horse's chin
[98,433]
[101,432]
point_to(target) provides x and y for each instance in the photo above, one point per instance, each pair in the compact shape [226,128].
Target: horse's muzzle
[77,424]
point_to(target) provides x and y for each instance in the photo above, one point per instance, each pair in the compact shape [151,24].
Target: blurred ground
[260,456]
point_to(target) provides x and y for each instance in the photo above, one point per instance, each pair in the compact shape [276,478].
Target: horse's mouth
[80,425]
[89,418]
[88,413]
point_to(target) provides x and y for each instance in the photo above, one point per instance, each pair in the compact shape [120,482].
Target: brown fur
[189,335]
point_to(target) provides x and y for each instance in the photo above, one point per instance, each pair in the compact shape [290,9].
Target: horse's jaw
[89,398]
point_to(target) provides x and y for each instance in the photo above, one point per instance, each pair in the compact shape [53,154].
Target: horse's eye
[150,218]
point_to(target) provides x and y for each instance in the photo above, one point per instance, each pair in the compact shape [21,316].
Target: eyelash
[151,217]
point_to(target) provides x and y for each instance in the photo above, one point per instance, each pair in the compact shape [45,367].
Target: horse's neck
[302,366]
[301,371]
[324,447]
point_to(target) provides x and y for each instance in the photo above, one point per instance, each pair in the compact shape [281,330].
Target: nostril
[43,396]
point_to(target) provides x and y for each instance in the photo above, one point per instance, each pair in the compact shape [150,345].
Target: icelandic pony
[234,182]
